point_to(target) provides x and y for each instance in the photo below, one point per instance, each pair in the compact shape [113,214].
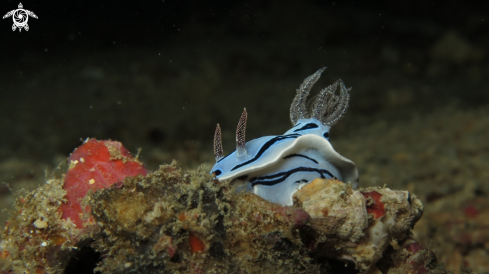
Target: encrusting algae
[170,221]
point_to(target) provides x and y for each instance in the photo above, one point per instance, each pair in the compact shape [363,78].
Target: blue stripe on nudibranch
[264,148]
[282,176]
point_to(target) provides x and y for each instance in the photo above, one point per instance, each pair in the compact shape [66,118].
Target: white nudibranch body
[275,167]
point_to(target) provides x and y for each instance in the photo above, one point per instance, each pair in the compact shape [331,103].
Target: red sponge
[375,207]
[92,166]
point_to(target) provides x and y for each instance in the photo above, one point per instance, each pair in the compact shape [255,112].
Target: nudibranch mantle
[275,167]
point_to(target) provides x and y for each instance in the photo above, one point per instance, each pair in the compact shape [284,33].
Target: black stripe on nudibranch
[300,155]
[307,126]
[277,178]
[266,146]
[326,135]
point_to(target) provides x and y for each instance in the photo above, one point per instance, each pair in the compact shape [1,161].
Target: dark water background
[163,73]
[160,74]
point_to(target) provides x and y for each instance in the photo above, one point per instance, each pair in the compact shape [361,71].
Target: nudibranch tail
[325,107]
[240,134]
[218,152]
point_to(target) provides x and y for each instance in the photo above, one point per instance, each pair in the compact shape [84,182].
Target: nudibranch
[275,167]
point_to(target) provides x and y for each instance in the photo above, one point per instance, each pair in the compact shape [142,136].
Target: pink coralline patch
[414,247]
[92,166]
[376,207]
[166,242]
[172,249]
[196,244]
[418,258]
[297,217]
[471,211]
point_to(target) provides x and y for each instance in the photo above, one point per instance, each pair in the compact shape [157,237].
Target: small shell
[40,224]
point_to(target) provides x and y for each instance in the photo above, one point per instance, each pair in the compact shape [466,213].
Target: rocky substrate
[170,221]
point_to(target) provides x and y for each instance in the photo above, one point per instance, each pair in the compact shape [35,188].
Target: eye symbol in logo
[20,17]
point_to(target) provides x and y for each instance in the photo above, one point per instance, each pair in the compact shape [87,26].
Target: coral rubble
[171,221]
